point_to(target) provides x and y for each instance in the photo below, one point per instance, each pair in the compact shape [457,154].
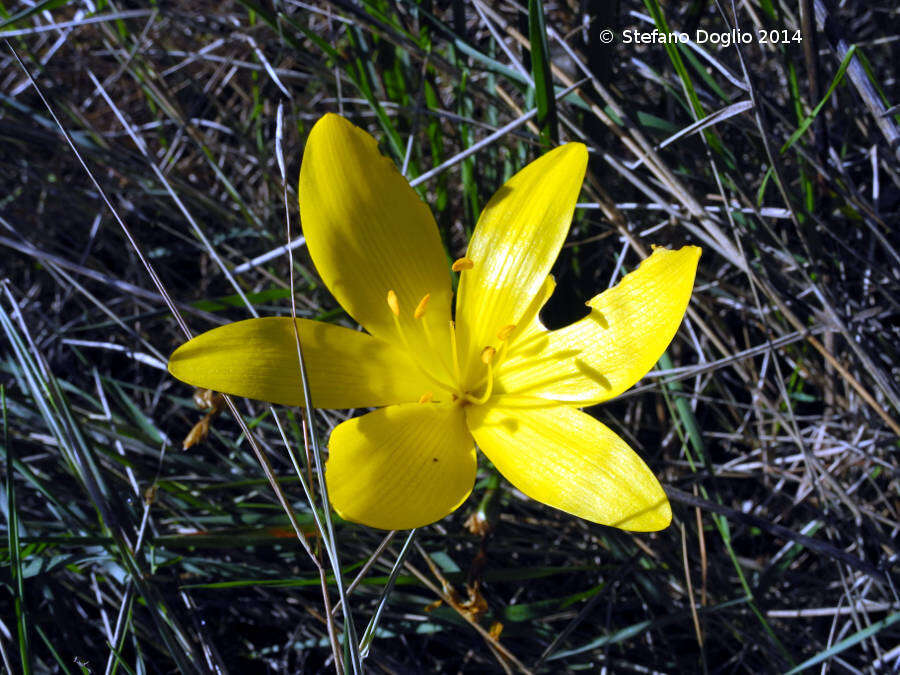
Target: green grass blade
[808,120]
[540,72]
[847,642]
[15,563]
[674,54]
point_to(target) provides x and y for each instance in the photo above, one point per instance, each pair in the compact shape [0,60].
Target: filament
[394,304]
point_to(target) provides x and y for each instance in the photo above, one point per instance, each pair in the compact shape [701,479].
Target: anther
[505,332]
[423,304]
[427,397]
[487,355]
[393,302]
[462,264]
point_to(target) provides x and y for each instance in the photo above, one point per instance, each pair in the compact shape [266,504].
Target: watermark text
[633,36]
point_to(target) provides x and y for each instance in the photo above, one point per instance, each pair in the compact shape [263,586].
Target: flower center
[490,356]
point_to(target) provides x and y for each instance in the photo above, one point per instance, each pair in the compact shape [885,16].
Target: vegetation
[143,195]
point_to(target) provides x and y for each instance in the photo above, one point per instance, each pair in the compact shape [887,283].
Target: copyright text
[718,38]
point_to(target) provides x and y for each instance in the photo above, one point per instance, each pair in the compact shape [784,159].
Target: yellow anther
[427,397]
[487,355]
[423,304]
[462,264]
[505,332]
[393,302]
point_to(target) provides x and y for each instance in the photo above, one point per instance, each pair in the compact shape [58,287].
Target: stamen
[393,302]
[423,304]
[454,351]
[505,332]
[462,264]
[427,397]
[418,314]
[504,347]
[486,355]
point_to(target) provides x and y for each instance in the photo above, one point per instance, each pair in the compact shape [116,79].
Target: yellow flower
[496,377]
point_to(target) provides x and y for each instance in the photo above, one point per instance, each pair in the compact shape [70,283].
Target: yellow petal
[401,467]
[257,359]
[605,353]
[514,245]
[368,233]
[566,459]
